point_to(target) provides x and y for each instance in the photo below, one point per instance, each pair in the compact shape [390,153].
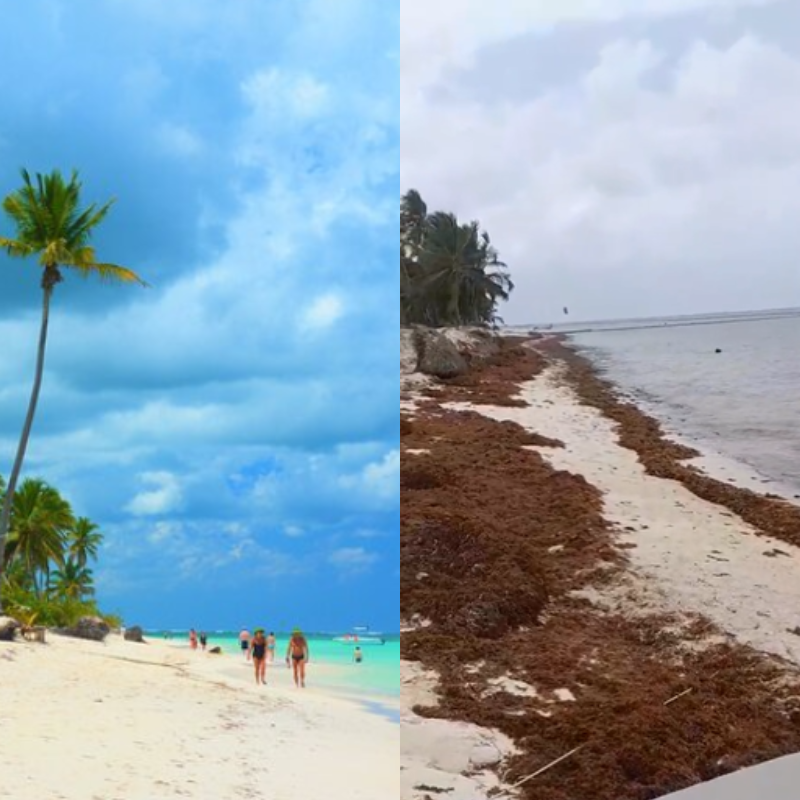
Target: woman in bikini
[271,648]
[297,654]
[258,650]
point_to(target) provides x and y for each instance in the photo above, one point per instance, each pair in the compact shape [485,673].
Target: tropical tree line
[38,534]
[47,557]
[450,273]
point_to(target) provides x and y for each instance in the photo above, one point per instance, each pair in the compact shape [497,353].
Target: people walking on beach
[244,642]
[193,639]
[358,656]
[203,640]
[298,655]
[258,648]
[271,647]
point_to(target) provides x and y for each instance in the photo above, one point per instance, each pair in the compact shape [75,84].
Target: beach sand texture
[685,553]
[668,652]
[124,721]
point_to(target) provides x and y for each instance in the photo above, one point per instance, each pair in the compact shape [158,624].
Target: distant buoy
[718,350]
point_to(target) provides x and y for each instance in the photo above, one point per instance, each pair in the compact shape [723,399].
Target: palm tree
[83,541]
[462,270]
[73,581]
[450,273]
[51,224]
[40,520]
[413,215]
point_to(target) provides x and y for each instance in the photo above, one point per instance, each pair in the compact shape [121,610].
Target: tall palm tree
[73,581]
[51,224]
[83,541]
[40,520]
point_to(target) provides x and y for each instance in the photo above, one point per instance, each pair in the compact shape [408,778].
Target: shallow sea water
[376,677]
[742,404]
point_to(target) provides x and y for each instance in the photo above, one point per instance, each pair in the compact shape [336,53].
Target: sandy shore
[669,649]
[685,553]
[126,721]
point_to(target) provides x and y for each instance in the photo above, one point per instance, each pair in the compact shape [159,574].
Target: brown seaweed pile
[769,514]
[493,540]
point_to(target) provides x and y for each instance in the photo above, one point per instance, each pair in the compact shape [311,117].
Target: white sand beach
[458,759]
[125,721]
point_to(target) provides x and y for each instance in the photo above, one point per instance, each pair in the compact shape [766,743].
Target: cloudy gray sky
[629,158]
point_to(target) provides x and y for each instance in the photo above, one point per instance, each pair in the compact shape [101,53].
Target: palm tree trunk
[50,278]
[454,303]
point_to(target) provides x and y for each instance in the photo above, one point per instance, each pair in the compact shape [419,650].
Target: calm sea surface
[742,403]
[377,676]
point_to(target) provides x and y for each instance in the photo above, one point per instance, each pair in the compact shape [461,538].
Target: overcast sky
[628,157]
[233,429]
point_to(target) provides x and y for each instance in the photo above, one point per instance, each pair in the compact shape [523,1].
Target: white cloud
[448,33]
[179,140]
[165,497]
[164,531]
[322,312]
[380,479]
[277,93]
[352,559]
[659,181]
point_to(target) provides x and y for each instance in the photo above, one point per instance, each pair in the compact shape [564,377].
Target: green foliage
[51,223]
[450,273]
[46,578]
[49,610]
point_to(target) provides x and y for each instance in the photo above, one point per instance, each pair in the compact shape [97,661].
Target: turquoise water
[378,675]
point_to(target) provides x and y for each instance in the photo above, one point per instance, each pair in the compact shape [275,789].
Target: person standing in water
[258,649]
[271,647]
[358,656]
[244,642]
[297,654]
[193,639]
[203,640]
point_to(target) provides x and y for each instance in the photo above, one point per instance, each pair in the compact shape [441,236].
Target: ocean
[376,678]
[741,405]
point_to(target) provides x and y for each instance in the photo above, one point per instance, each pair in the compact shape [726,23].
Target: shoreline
[616,636]
[232,666]
[334,676]
[144,721]
[663,456]
[723,467]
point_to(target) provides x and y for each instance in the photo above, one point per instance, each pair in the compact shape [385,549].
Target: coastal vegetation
[51,225]
[47,578]
[450,272]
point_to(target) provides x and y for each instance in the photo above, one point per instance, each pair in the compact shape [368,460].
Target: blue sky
[233,428]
